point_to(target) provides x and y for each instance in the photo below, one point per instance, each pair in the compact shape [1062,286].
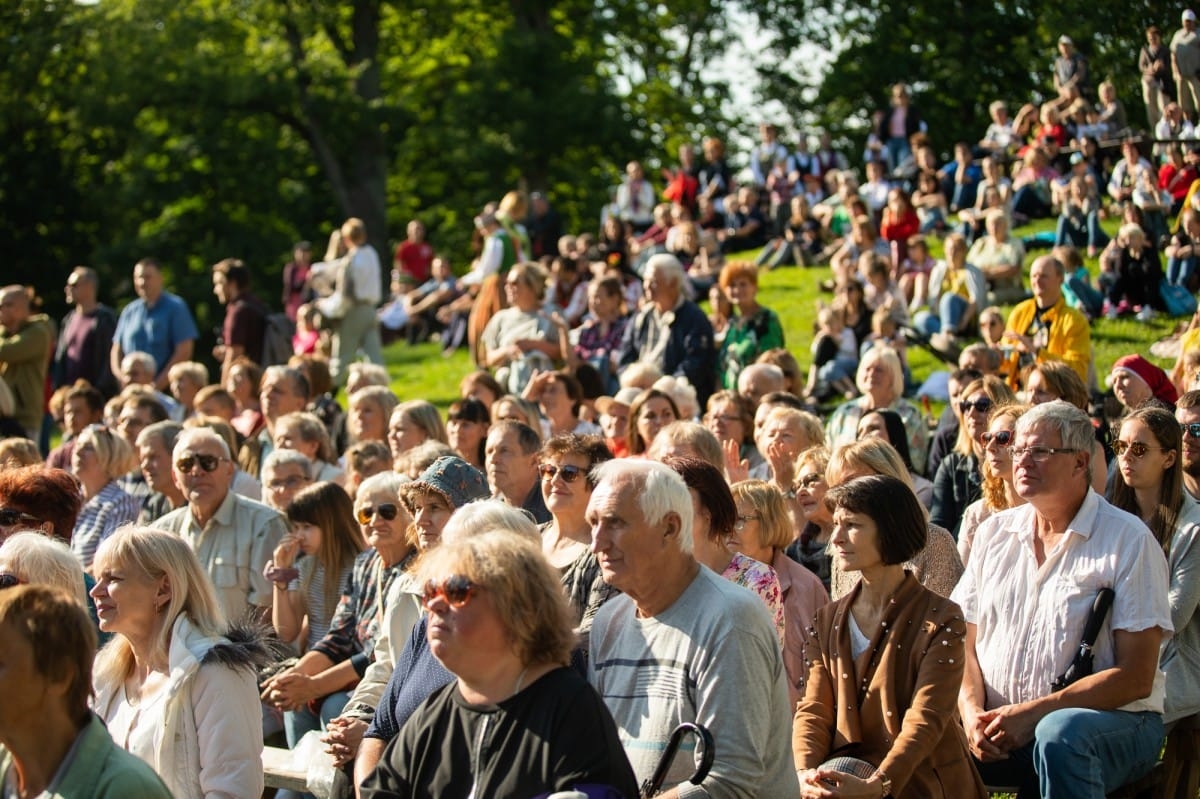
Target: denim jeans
[1078,753]
[298,722]
[1091,299]
[1180,269]
[1086,234]
[951,308]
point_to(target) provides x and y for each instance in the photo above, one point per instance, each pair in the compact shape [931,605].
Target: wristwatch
[885,782]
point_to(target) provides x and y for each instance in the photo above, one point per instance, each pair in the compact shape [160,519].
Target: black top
[552,736]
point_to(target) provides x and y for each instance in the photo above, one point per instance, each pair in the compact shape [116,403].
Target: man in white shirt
[1027,593]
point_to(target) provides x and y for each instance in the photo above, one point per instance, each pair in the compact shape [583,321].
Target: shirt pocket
[229,569]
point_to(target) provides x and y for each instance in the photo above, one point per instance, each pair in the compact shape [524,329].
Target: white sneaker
[1111,313]
[1146,314]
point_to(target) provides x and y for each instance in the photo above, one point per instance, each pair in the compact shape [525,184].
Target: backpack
[277,339]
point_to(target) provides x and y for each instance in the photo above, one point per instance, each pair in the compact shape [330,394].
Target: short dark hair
[899,518]
[84,390]
[528,439]
[715,495]
[235,271]
[783,399]
[1189,399]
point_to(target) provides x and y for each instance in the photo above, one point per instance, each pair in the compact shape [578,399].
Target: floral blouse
[762,580]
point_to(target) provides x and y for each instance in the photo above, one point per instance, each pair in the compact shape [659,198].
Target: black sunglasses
[1002,438]
[9,580]
[1192,429]
[455,589]
[568,473]
[366,514]
[983,405]
[10,516]
[208,463]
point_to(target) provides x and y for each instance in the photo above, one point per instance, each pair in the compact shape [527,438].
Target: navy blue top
[417,676]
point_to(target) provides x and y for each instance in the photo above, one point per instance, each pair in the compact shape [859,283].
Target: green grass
[421,372]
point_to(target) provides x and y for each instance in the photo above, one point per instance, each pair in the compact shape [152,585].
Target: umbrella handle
[653,785]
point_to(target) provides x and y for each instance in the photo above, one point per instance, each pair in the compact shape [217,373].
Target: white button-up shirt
[1030,618]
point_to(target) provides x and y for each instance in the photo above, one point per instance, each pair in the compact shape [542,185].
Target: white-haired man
[233,537]
[1027,594]
[670,332]
[681,643]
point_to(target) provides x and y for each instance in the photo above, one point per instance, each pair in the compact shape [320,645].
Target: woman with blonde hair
[101,457]
[998,491]
[176,685]
[762,531]
[305,433]
[499,622]
[37,559]
[414,422]
[368,413]
[521,340]
[186,378]
[936,565]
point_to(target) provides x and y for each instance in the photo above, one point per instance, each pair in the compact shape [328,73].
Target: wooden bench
[1148,787]
[278,771]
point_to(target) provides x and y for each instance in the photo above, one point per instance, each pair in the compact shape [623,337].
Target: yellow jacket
[1070,338]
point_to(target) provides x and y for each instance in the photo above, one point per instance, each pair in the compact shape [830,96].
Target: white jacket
[208,740]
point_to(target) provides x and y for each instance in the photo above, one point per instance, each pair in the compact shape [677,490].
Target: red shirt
[415,259]
[1176,181]
[893,229]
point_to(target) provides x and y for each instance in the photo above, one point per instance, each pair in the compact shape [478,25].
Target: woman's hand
[290,690]
[344,735]
[825,784]
[736,469]
[284,556]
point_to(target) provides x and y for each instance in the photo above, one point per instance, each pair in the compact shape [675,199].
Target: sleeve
[945,511]
[183,326]
[699,355]
[385,725]
[266,539]
[773,337]
[29,344]
[812,726]
[575,758]
[629,341]
[229,728]
[1141,586]
[490,338]
[240,327]
[941,566]
[1076,348]
[735,692]
[386,781]
[934,700]
[1184,594]
[341,640]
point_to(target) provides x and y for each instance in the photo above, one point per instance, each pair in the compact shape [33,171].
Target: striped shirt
[99,517]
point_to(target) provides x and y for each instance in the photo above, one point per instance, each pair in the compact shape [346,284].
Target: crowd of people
[639,513]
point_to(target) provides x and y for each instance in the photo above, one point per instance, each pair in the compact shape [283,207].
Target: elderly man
[1045,328]
[86,335]
[671,332]
[283,390]
[1000,257]
[1027,595]
[511,461]
[1187,411]
[682,644]
[285,473]
[760,379]
[232,536]
[26,340]
[157,322]
[155,445]
[137,369]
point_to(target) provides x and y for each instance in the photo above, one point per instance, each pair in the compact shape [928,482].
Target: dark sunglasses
[983,405]
[569,474]
[9,580]
[387,510]
[10,516]
[1136,448]
[455,589]
[1003,438]
[1191,430]
[208,463]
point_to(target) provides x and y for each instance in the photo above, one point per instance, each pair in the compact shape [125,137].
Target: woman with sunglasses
[101,457]
[715,522]
[1149,484]
[762,532]
[885,661]
[176,685]
[38,499]
[959,481]
[565,465]
[335,663]
[498,621]
[998,491]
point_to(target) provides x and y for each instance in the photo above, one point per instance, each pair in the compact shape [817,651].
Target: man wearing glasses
[1187,411]
[1028,592]
[234,537]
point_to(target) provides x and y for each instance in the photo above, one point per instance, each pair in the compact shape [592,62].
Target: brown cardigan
[908,720]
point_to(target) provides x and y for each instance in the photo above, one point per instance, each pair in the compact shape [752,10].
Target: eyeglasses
[982,405]
[569,474]
[366,514]
[809,480]
[1192,430]
[9,580]
[1039,454]
[10,516]
[208,463]
[740,522]
[290,482]
[455,589]
[1002,438]
[712,417]
[1136,449]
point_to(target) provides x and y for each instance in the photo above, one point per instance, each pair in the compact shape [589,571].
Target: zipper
[477,757]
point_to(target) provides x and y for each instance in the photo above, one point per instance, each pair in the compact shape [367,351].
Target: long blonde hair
[157,554]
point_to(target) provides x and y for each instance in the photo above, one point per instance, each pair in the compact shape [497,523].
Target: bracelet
[276,575]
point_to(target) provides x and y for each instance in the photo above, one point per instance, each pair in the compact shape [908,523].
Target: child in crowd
[307,338]
[913,275]
[835,357]
[879,289]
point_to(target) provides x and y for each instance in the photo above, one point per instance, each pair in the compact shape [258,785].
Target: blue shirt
[156,329]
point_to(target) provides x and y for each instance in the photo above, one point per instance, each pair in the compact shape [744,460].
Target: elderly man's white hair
[486,515]
[1073,426]
[659,488]
[191,436]
[665,266]
[137,358]
[283,457]
[767,371]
